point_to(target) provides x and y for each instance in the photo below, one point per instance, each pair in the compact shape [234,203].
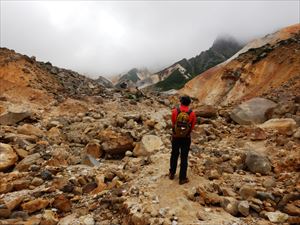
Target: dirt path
[170,199]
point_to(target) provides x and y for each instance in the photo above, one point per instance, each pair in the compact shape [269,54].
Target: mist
[111,37]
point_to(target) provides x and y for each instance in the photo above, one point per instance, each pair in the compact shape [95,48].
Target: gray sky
[103,38]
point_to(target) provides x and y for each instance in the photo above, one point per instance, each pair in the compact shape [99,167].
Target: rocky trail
[100,156]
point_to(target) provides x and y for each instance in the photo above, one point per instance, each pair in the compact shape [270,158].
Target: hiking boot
[184,181]
[171,176]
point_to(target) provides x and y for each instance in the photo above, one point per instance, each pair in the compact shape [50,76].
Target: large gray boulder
[258,163]
[148,145]
[252,111]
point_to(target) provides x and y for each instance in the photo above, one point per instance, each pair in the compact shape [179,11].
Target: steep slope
[24,79]
[257,69]
[175,76]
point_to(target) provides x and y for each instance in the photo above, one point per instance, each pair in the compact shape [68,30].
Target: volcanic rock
[258,163]
[25,163]
[206,111]
[7,156]
[35,205]
[230,205]
[115,143]
[277,217]
[247,191]
[252,111]
[148,145]
[29,129]
[285,126]
[11,118]
[62,203]
[244,207]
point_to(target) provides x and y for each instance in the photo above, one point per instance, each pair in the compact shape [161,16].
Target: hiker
[183,122]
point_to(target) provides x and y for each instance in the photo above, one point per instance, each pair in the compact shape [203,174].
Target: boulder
[243,208]
[283,126]
[148,145]
[291,209]
[62,203]
[93,149]
[49,218]
[277,217]
[35,205]
[258,163]
[29,129]
[70,219]
[54,135]
[115,143]
[230,205]
[206,111]
[297,133]
[247,191]
[252,111]
[89,160]
[11,118]
[7,156]
[25,163]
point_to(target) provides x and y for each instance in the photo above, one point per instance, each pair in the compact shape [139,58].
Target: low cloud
[105,38]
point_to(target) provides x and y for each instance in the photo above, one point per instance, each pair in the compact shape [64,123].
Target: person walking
[183,122]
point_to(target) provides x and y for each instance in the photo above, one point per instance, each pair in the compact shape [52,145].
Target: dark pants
[182,146]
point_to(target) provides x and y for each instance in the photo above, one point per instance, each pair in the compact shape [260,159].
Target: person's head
[185,100]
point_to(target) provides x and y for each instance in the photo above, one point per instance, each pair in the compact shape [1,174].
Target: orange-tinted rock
[115,143]
[21,184]
[55,135]
[35,205]
[5,187]
[25,163]
[8,157]
[89,187]
[21,153]
[206,111]
[93,149]
[29,129]
[62,203]
[258,134]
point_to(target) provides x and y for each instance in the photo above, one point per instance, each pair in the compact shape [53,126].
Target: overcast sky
[104,38]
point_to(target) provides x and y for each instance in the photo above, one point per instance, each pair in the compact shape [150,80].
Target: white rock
[148,145]
[277,217]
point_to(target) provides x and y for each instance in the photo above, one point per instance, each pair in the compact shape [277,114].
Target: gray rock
[243,208]
[252,111]
[46,175]
[258,163]
[230,205]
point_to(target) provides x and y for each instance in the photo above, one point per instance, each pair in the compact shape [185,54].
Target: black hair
[185,100]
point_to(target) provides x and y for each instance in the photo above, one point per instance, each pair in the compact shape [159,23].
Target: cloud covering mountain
[103,38]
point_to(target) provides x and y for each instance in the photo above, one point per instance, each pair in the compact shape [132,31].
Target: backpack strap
[178,110]
[190,111]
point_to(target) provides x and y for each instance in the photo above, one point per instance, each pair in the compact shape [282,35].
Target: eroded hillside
[271,63]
